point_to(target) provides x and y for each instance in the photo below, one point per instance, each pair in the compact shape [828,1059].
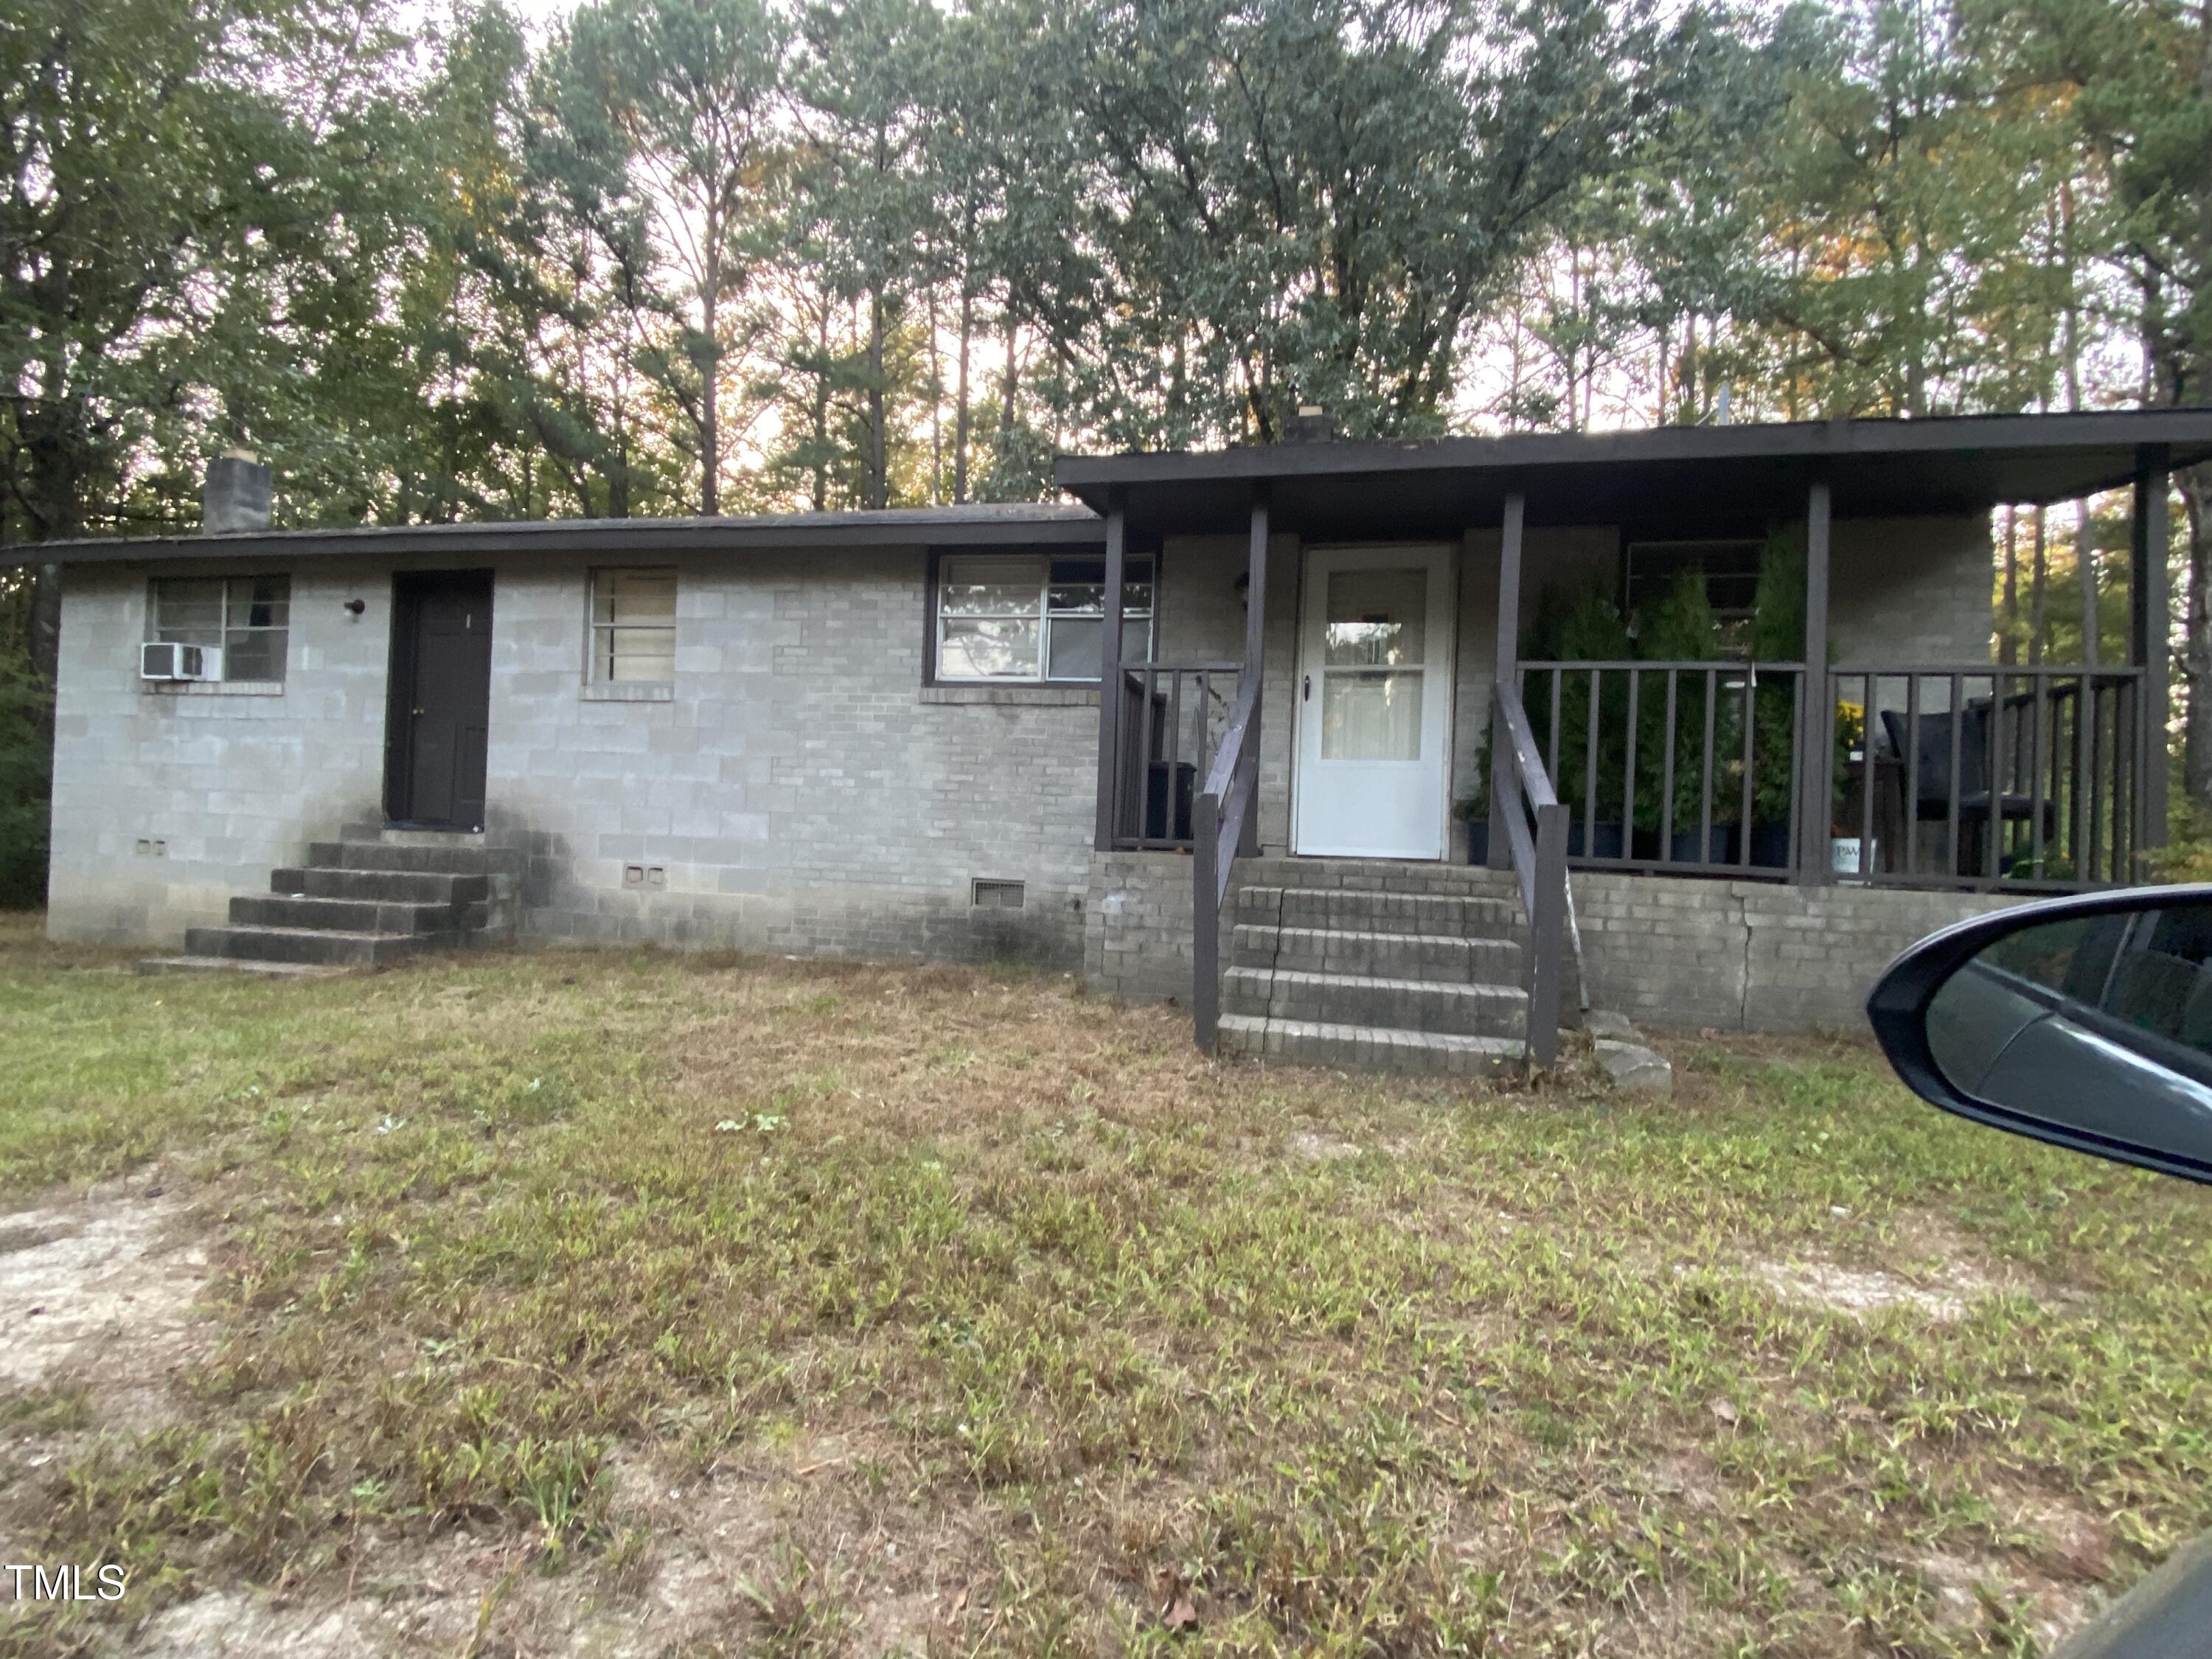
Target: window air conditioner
[166,660]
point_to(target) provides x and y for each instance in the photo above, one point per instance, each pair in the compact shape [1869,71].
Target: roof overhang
[1689,476]
[1043,524]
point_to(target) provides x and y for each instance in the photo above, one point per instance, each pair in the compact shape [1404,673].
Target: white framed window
[1034,617]
[633,626]
[249,617]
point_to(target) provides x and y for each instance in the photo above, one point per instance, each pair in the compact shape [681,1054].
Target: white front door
[1373,703]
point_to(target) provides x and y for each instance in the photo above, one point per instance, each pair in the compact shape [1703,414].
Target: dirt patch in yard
[1938,1275]
[1864,1291]
[700,1561]
[99,1291]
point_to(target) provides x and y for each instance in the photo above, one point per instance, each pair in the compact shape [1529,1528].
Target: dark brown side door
[439,712]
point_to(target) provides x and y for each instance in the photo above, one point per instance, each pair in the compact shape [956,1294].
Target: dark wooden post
[2148,623]
[1255,648]
[1109,670]
[1507,671]
[1816,709]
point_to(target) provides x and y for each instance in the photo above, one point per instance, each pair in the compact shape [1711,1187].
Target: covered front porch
[1752,654]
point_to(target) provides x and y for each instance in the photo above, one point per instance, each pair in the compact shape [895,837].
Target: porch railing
[1173,720]
[1975,775]
[1225,823]
[1982,775]
[1536,833]
[1689,767]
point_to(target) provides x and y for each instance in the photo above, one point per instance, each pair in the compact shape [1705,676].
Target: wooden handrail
[1222,816]
[1540,861]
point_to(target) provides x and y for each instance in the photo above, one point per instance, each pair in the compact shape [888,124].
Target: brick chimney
[237,495]
[1312,424]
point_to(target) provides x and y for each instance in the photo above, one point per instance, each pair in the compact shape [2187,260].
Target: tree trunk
[2085,540]
[2085,572]
[2008,617]
[54,504]
[2196,484]
[936,407]
[710,437]
[2038,617]
[960,412]
[710,371]
[821,409]
[878,485]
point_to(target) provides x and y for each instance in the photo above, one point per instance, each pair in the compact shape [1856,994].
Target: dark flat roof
[1022,523]
[1690,475]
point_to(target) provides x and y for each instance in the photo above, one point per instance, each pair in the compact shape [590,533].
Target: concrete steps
[1370,1048]
[238,965]
[371,897]
[329,945]
[1445,956]
[1416,1005]
[1371,965]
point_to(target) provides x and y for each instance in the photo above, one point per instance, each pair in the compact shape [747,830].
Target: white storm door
[1373,703]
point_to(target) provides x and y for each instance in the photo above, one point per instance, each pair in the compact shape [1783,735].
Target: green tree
[678,98]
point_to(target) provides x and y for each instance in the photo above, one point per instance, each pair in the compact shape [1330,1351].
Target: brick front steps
[1371,965]
[373,896]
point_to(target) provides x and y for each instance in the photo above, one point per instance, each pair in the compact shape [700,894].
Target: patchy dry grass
[607,1303]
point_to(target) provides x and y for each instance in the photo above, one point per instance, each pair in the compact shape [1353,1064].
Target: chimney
[237,496]
[1312,424]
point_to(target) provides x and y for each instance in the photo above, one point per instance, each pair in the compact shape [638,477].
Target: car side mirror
[2083,1021]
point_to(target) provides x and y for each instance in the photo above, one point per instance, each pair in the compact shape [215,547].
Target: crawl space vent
[987,894]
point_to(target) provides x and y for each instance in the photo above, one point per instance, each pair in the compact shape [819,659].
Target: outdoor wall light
[355,607]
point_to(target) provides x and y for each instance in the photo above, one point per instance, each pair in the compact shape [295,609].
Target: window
[1730,569]
[1029,616]
[633,626]
[248,616]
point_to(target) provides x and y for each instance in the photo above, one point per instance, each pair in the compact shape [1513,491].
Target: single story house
[1368,784]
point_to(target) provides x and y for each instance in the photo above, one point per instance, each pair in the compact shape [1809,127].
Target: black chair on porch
[1933,799]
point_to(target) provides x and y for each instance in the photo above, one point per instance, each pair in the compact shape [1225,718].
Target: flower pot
[1770,845]
[1719,846]
[1605,840]
[1849,856]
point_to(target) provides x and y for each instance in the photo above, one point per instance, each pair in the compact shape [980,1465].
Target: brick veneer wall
[1750,956]
[1136,926]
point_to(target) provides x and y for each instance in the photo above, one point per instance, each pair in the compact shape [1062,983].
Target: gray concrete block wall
[798,792]
[795,790]
[229,784]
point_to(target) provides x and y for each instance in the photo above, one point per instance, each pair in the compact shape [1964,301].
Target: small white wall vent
[984,894]
[165,659]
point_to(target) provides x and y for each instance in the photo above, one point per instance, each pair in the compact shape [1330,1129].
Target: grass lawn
[605,1304]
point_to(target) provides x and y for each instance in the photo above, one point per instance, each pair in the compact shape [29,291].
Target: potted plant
[1472,808]
[1680,629]
[1583,626]
[1847,856]
[1777,634]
